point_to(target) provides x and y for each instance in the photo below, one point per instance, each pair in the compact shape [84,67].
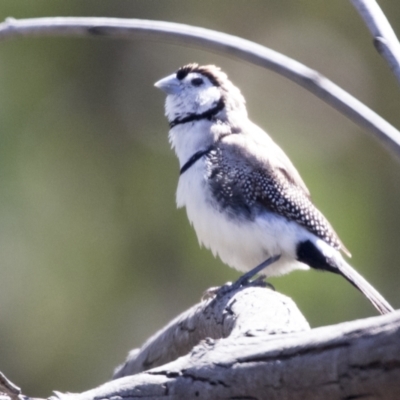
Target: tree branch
[359,359]
[212,40]
[253,310]
[260,348]
[385,39]
[10,390]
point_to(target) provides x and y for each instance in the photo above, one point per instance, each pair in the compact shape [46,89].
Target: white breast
[240,243]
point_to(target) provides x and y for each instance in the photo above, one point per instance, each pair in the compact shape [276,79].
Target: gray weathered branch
[265,351]
[8,389]
[247,312]
[385,39]
[355,360]
[212,40]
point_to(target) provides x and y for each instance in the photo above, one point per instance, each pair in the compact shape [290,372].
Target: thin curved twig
[209,39]
[385,39]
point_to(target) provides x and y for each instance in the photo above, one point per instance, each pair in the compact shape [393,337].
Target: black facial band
[197,117]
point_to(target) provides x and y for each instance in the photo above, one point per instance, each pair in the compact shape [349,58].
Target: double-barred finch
[244,197]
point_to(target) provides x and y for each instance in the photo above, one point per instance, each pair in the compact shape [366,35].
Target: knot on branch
[249,311]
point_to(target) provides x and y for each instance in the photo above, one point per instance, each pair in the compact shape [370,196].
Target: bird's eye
[197,81]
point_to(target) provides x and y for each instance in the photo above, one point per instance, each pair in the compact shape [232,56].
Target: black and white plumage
[244,197]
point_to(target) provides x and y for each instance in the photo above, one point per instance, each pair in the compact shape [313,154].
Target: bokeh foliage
[94,255]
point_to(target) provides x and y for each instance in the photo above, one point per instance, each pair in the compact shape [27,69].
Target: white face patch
[197,95]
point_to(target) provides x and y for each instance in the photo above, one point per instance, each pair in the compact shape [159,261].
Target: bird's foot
[213,291]
[243,281]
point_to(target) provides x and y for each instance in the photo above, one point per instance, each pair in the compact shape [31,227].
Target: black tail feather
[310,254]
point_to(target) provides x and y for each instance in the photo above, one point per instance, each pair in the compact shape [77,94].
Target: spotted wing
[243,186]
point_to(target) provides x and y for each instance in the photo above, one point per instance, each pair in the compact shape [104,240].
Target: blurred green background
[94,256]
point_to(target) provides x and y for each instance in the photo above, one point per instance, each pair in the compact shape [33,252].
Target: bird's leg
[244,280]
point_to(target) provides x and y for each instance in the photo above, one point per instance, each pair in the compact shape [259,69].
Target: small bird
[243,196]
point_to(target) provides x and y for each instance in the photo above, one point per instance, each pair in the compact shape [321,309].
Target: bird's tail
[363,286]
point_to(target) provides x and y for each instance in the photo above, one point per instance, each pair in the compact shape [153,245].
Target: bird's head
[194,90]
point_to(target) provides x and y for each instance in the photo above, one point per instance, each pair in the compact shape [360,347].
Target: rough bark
[254,344]
[353,360]
[248,312]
